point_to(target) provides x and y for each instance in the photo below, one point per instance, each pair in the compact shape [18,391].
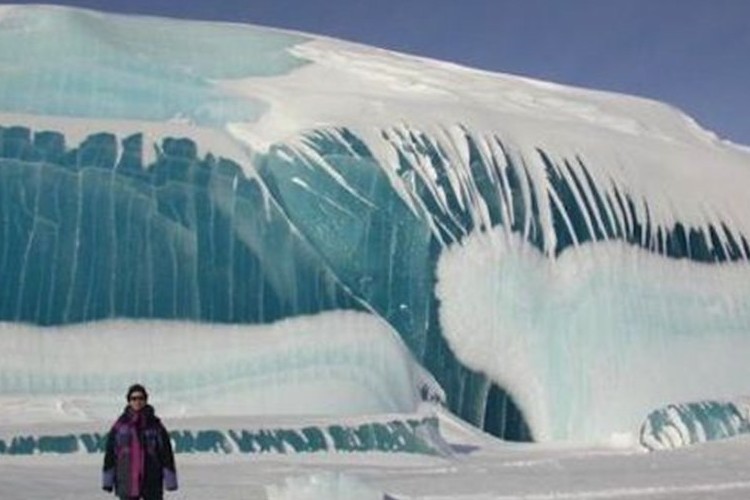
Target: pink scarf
[137,454]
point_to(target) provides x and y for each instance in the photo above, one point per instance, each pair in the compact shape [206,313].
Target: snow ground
[480,468]
[652,152]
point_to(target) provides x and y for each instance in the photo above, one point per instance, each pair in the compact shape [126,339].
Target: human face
[137,401]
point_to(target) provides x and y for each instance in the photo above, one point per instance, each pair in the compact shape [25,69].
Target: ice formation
[598,337]
[690,423]
[561,261]
[414,434]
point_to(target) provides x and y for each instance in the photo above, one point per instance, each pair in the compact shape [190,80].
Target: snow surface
[479,468]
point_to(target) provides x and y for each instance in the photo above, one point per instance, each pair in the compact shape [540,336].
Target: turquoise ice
[79,63]
[690,423]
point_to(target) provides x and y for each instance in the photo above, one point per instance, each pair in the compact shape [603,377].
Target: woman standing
[138,462]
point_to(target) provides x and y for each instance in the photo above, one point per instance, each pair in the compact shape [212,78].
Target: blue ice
[120,67]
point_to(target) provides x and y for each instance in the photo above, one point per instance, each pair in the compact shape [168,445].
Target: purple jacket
[138,460]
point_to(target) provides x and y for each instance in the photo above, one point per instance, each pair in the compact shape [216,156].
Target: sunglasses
[137,398]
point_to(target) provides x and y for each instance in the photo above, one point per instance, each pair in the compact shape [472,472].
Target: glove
[170,480]
[108,479]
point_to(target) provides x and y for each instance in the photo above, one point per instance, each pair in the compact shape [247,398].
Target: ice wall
[533,245]
[565,291]
[91,232]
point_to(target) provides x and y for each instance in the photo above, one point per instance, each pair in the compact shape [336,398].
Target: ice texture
[132,68]
[599,337]
[561,261]
[414,434]
[91,232]
[690,423]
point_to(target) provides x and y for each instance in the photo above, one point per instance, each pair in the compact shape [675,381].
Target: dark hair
[136,388]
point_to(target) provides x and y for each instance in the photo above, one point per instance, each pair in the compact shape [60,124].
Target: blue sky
[694,54]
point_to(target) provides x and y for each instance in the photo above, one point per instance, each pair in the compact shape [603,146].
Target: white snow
[329,485]
[581,343]
[406,89]
[340,363]
[480,468]
[647,150]
[78,129]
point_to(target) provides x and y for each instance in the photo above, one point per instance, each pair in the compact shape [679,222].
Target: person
[138,460]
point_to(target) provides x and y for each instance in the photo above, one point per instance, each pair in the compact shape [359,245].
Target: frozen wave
[355,175]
